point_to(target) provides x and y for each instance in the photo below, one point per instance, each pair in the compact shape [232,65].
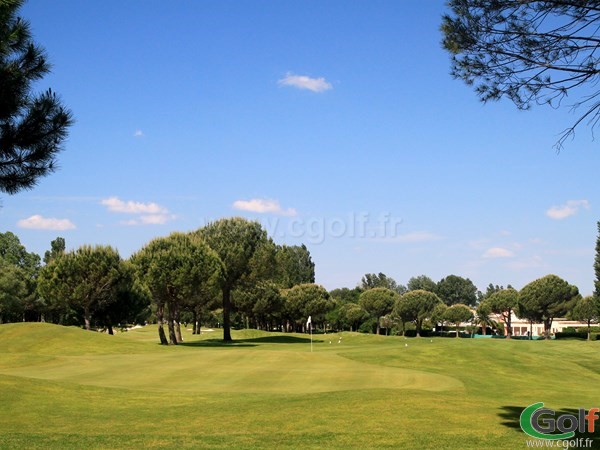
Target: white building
[520,327]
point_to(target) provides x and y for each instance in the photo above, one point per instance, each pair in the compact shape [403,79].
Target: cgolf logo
[542,423]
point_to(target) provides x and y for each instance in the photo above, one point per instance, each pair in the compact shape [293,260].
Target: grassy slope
[63,387]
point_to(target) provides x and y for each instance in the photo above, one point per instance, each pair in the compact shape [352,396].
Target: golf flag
[308,322]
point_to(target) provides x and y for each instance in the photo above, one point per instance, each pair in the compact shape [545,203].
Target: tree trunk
[226,310]
[194,321]
[547,325]
[160,311]
[110,329]
[171,327]
[177,324]
[86,317]
[457,326]
[178,335]
[484,329]
[589,333]
[378,329]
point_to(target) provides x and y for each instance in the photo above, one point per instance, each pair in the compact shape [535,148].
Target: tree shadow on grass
[217,343]
[510,416]
[250,342]
[280,340]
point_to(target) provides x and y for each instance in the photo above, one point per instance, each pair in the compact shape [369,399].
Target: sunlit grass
[64,387]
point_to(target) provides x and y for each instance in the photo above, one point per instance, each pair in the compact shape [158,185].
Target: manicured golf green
[67,388]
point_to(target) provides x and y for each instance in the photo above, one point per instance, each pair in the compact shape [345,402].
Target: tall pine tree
[32,126]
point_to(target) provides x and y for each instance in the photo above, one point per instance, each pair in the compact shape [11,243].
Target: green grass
[67,388]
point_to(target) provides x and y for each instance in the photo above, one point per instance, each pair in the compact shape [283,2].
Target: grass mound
[49,339]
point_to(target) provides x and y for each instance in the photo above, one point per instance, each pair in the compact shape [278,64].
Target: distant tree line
[230,273]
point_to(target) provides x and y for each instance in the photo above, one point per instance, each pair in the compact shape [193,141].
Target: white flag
[308,322]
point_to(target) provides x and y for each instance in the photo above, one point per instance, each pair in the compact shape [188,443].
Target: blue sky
[336,124]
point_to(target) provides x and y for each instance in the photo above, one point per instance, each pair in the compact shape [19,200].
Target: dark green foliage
[262,303]
[294,266]
[14,253]
[346,295]
[483,317]
[57,249]
[87,280]
[582,335]
[546,298]
[381,280]
[177,270]
[454,289]
[422,333]
[13,289]
[353,315]
[370,325]
[530,52]
[378,302]
[235,241]
[416,306]
[587,309]
[504,302]
[457,314]
[422,282]
[306,300]
[32,126]
[18,272]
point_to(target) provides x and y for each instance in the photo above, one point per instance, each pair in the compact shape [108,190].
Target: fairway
[64,387]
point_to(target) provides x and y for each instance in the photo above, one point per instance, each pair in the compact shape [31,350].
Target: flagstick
[310,337]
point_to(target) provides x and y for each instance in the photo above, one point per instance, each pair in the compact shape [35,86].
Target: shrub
[571,335]
[424,333]
[368,326]
[584,329]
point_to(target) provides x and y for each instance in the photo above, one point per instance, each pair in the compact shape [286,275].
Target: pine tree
[32,126]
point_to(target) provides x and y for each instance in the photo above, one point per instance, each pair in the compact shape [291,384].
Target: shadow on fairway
[217,343]
[280,340]
[250,342]
[510,416]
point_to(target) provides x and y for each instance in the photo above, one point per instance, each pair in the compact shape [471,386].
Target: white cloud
[37,222]
[498,252]
[138,133]
[114,204]
[149,213]
[568,209]
[305,82]
[262,206]
[152,219]
[156,219]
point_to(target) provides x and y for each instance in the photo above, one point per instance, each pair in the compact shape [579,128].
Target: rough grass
[68,388]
